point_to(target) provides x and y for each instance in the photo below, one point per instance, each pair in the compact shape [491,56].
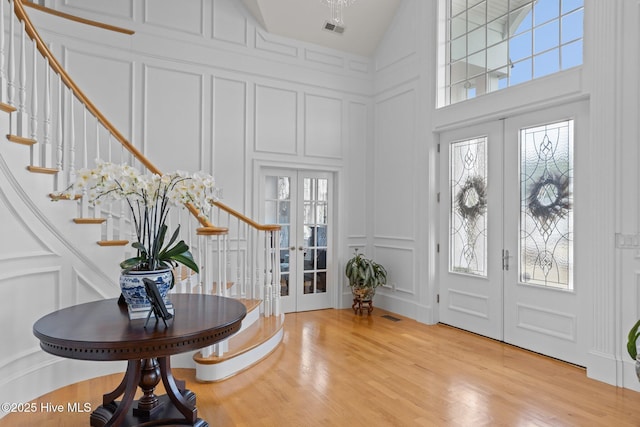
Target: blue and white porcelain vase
[132,288]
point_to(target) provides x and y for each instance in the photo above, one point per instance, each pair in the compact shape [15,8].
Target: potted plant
[632,347]
[149,198]
[364,275]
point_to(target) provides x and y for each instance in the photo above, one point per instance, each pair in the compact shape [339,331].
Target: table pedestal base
[165,414]
[178,406]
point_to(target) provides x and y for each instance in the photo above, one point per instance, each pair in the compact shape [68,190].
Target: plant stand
[359,304]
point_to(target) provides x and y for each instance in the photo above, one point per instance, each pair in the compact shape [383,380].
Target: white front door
[507,246]
[471,230]
[300,201]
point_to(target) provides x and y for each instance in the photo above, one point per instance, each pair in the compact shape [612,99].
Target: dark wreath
[472,212]
[559,206]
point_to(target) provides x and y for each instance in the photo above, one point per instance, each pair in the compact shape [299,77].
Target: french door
[300,202]
[507,243]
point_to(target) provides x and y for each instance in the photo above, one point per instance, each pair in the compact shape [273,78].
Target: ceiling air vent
[333,27]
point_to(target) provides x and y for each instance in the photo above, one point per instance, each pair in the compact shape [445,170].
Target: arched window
[493,44]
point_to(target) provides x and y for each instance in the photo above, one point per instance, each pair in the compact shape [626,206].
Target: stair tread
[89,220]
[21,140]
[39,169]
[7,108]
[113,242]
[61,196]
[261,331]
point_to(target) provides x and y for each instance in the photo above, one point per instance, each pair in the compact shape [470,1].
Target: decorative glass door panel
[316,215]
[468,216]
[546,197]
[278,211]
[300,202]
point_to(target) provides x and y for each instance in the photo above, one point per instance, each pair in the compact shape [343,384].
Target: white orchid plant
[149,197]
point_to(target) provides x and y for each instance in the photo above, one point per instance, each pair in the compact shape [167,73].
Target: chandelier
[336,7]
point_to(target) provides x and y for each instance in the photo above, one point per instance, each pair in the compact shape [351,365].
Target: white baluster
[3,74]
[239,259]
[34,94]
[45,155]
[72,140]
[277,275]
[59,131]
[11,83]
[267,285]
[22,119]
[97,156]
[85,143]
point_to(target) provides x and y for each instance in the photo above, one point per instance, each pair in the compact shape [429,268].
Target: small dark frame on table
[158,309]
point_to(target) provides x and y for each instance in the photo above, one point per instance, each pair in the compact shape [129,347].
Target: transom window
[493,44]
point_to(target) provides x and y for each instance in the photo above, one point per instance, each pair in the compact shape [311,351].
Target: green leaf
[131,263]
[632,339]
[186,259]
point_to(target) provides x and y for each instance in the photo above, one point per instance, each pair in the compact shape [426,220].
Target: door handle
[300,248]
[292,248]
[505,259]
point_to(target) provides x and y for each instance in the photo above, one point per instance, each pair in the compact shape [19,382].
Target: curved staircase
[52,129]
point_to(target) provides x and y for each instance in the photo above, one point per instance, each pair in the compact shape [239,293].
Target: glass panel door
[300,202]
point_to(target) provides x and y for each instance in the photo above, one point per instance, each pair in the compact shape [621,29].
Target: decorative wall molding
[186,16]
[563,326]
[276,120]
[469,303]
[394,165]
[228,26]
[324,58]
[322,126]
[402,270]
[164,87]
[116,8]
[263,43]
[229,137]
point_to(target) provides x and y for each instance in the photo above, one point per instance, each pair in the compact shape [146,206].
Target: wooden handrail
[78,19]
[57,68]
[243,218]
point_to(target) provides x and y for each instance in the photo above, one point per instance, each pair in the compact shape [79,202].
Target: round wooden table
[101,330]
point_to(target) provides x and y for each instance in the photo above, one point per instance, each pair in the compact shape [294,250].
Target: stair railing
[73,133]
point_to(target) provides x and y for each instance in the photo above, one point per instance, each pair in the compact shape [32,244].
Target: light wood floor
[337,369]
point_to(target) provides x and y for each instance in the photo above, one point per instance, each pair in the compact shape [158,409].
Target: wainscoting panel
[323,126]
[116,8]
[229,24]
[229,140]
[469,303]
[20,287]
[400,265]
[114,101]
[263,42]
[394,171]
[324,58]
[556,324]
[356,173]
[25,243]
[173,117]
[276,120]
[84,290]
[184,16]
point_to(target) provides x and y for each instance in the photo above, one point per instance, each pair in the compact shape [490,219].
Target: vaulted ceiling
[365,22]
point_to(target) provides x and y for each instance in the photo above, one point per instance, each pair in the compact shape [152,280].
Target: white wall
[406,134]
[198,86]
[212,90]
